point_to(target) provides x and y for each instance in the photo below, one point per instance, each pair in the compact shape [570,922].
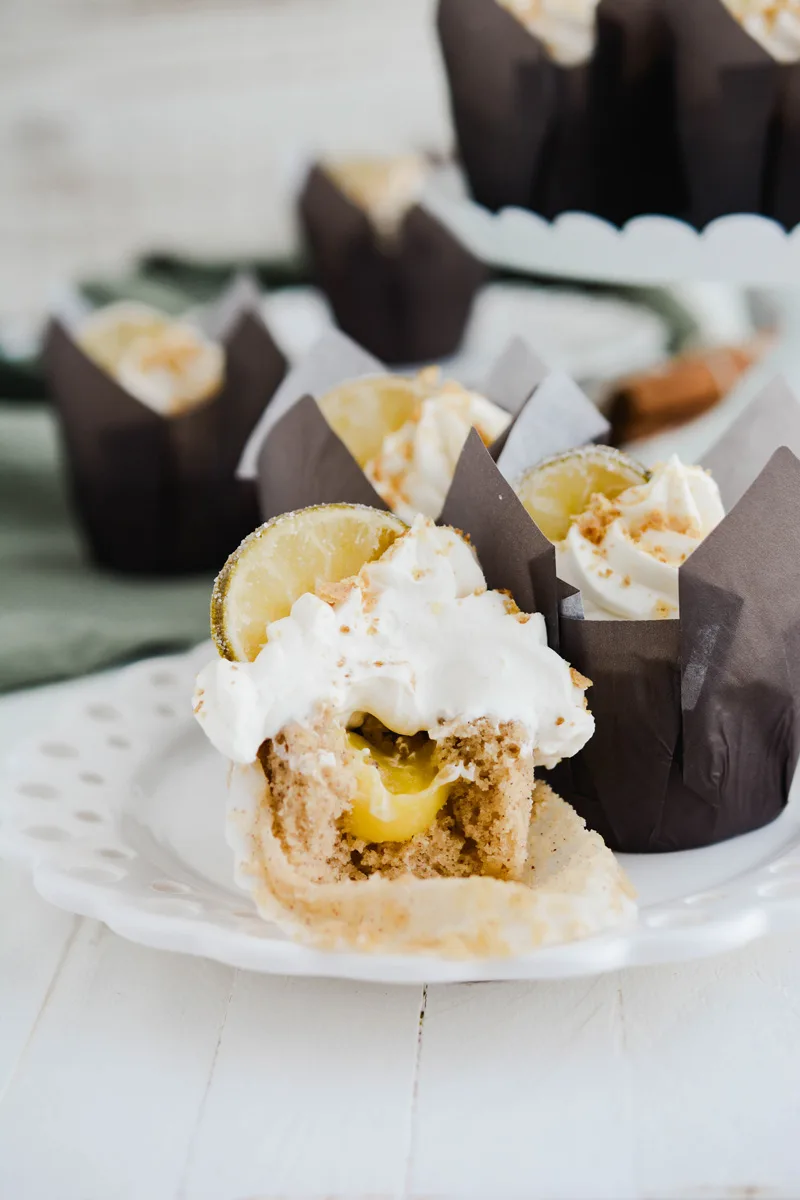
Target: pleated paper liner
[698,719]
[159,495]
[634,142]
[504,91]
[297,459]
[679,112]
[405,301]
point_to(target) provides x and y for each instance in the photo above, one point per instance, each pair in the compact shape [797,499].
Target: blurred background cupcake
[398,282]
[154,414]
[686,108]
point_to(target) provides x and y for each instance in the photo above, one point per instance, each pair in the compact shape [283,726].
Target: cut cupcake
[384,739]
[407,434]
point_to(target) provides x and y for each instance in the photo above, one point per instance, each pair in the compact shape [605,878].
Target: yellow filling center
[395,797]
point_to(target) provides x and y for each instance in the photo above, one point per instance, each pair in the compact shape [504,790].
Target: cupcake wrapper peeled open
[679,112]
[407,302]
[572,887]
[159,495]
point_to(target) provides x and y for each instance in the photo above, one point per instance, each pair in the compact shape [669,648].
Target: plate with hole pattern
[119,809]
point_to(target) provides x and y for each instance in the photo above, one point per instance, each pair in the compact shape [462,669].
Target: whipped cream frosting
[774,24]
[565,26]
[624,554]
[415,467]
[166,364]
[417,641]
[172,370]
[385,188]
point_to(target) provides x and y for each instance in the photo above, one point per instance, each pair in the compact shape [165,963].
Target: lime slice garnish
[559,489]
[363,412]
[292,554]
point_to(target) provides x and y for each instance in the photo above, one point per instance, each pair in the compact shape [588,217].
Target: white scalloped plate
[743,248]
[119,808]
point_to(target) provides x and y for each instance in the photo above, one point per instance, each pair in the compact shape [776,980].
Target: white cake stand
[744,250]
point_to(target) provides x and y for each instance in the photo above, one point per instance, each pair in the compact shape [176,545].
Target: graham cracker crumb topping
[593,523]
[659,522]
[335,593]
[579,680]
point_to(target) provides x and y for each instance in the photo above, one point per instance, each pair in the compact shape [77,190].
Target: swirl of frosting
[416,464]
[624,554]
[774,24]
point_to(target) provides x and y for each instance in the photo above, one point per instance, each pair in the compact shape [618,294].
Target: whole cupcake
[341,428]
[399,283]
[154,414]
[682,606]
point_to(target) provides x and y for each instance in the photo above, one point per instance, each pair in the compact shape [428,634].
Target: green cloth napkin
[59,615]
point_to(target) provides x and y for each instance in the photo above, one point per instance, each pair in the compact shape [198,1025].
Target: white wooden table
[131,1074]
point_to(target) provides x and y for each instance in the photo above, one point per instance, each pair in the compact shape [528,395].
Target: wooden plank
[522,1092]
[657,1083]
[715,1061]
[311,1093]
[124,1080]
[34,936]
[34,940]
[105,1098]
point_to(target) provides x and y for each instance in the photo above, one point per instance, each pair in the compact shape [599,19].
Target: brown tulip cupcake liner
[157,494]
[297,459]
[679,111]
[697,718]
[406,298]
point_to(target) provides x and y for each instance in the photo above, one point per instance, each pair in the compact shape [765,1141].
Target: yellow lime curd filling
[396,797]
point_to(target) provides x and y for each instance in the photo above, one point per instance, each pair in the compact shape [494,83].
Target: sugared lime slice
[363,412]
[290,555]
[559,489]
